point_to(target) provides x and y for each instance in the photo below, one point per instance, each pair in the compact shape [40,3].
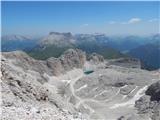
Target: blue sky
[112,18]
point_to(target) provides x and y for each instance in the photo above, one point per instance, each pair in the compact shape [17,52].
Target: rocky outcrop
[126,62]
[26,93]
[55,65]
[96,58]
[69,60]
[149,104]
[72,58]
[154,91]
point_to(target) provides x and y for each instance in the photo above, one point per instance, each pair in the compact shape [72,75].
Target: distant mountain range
[97,43]
[127,43]
[55,43]
[149,55]
[17,42]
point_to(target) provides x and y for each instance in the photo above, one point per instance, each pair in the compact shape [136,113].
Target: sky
[111,18]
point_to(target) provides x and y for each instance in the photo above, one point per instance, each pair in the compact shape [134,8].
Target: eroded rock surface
[69,60]
[59,88]
[127,62]
[26,93]
[149,104]
[95,58]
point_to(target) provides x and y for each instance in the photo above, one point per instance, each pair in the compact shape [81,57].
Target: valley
[55,43]
[109,92]
[80,60]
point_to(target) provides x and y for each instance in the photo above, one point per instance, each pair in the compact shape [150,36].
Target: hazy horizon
[111,18]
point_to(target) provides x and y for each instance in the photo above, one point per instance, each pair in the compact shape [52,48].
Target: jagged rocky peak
[75,57]
[68,34]
[96,58]
[72,58]
[58,39]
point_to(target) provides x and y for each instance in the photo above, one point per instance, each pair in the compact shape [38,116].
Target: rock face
[26,93]
[149,104]
[96,58]
[52,66]
[73,58]
[59,88]
[56,66]
[69,60]
[58,39]
[154,91]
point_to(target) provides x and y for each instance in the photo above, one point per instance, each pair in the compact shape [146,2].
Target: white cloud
[134,20]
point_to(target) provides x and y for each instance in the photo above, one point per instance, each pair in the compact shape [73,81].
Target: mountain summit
[58,39]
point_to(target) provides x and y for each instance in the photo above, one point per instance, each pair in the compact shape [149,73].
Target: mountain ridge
[110,47]
[56,43]
[41,88]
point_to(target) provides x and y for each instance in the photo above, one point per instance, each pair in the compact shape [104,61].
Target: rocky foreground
[74,86]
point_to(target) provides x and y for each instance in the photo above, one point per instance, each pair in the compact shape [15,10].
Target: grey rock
[57,87]
[127,62]
[52,66]
[58,39]
[149,103]
[23,94]
[69,60]
[56,66]
[96,58]
[73,59]
[154,91]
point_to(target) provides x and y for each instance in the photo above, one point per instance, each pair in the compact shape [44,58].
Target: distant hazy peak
[58,33]
[58,39]
[15,37]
